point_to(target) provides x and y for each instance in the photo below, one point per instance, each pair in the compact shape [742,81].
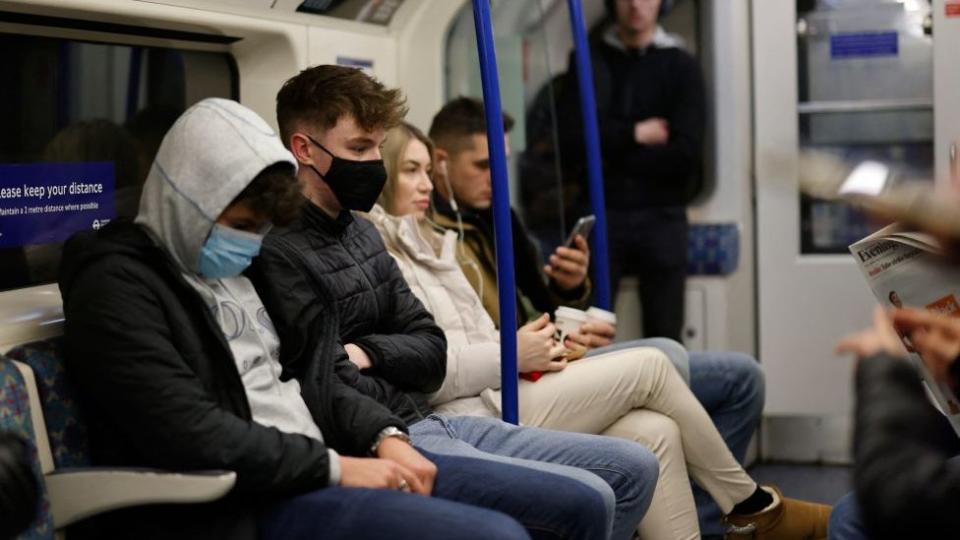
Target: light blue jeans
[845,521]
[731,388]
[624,472]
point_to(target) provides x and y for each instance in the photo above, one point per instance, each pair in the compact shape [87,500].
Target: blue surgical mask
[228,252]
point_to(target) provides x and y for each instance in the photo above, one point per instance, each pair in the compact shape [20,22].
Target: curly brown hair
[274,193]
[322,95]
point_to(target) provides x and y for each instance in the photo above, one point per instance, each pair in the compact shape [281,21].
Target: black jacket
[632,86]
[161,390]
[906,483]
[345,258]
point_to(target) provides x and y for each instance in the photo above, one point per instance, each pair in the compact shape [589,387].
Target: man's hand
[536,348]
[652,132]
[400,452]
[377,474]
[593,335]
[568,266]
[935,337]
[358,356]
[880,338]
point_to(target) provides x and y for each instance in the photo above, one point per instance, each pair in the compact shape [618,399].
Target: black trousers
[651,244]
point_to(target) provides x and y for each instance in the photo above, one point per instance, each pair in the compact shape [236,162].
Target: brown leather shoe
[787,519]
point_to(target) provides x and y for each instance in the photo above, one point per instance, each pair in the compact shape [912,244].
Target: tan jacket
[477,259]
[427,260]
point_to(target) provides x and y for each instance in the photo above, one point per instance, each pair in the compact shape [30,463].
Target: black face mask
[356,184]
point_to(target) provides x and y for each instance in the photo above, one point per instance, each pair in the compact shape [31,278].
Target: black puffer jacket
[346,258]
[907,476]
[162,390]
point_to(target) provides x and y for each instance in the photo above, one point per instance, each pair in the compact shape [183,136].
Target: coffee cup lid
[570,313]
[602,314]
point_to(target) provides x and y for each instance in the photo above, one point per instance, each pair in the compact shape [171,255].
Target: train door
[856,79]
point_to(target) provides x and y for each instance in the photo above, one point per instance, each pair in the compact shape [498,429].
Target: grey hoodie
[208,157]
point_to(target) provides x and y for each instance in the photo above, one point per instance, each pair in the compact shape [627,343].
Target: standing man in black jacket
[179,363]
[651,112]
[334,120]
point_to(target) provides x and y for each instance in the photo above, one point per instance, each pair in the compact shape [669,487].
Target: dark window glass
[83,122]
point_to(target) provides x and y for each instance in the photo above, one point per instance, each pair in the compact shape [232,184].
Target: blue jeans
[675,352]
[731,388]
[358,514]
[625,473]
[845,522]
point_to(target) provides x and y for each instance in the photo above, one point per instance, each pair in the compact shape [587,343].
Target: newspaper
[904,268]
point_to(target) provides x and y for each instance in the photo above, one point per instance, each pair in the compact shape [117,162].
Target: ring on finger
[403,486]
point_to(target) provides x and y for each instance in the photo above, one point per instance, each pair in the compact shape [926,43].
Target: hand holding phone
[567,267]
[583,227]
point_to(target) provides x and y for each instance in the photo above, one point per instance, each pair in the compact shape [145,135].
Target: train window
[83,123]
[534,41]
[532,37]
[866,92]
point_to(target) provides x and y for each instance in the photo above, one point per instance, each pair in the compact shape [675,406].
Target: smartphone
[583,227]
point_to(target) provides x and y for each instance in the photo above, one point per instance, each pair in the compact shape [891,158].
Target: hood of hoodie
[212,152]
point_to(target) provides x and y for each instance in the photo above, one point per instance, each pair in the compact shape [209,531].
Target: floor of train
[820,483]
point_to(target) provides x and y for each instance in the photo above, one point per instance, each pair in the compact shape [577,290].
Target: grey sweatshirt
[181,201]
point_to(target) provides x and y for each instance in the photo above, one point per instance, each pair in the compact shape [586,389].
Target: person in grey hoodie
[179,365]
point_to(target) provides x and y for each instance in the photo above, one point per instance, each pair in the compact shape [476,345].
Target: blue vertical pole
[501,210]
[591,135]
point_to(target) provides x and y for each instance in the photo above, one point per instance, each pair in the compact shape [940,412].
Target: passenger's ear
[301,148]
[440,158]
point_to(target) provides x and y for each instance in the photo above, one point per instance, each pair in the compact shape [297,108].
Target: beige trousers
[637,394]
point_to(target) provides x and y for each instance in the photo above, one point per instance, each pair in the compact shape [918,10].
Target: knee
[676,353]
[499,525]
[751,381]
[582,510]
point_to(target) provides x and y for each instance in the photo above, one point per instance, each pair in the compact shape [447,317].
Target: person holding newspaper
[907,474]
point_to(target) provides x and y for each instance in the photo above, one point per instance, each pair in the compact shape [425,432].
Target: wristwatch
[385,433]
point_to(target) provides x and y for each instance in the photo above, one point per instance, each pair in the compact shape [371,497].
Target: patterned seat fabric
[713,249]
[15,418]
[61,410]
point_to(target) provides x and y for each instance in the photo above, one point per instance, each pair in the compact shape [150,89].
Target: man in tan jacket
[464,188]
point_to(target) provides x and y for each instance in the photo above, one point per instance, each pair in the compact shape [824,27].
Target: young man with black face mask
[334,120]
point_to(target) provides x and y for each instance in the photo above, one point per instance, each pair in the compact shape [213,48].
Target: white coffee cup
[596,314]
[568,320]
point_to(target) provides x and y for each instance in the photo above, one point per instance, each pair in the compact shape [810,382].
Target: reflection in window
[866,92]
[74,111]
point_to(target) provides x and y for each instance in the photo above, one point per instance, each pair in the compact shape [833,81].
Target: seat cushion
[15,418]
[61,410]
[713,249]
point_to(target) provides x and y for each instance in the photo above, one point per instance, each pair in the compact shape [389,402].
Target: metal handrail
[866,105]
[591,138]
[502,226]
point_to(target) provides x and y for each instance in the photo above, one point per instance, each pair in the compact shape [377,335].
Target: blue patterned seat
[15,418]
[713,249]
[58,397]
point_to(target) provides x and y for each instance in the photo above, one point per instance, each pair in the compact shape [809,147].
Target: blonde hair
[398,139]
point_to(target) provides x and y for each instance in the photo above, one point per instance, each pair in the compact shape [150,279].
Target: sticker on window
[864,45]
[46,203]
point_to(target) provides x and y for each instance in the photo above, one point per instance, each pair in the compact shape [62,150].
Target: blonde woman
[634,393]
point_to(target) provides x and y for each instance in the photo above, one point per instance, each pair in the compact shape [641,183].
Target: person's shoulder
[121,249]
